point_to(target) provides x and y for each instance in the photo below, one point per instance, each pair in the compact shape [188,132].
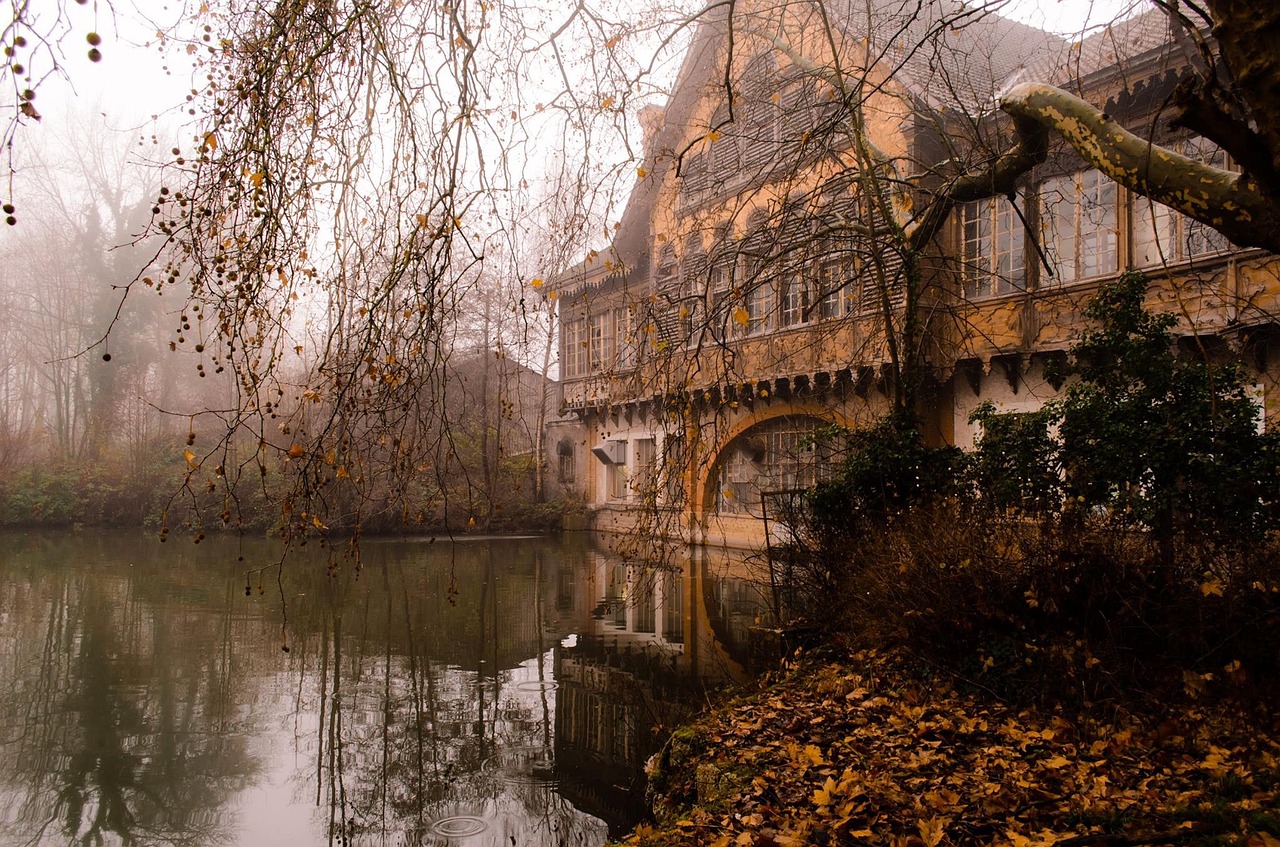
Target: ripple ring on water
[524,765]
[534,685]
[459,826]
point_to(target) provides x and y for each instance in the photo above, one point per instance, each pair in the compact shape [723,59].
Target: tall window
[993,252]
[575,347]
[719,285]
[616,477]
[754,313]
[568,466]
[643,599]
[836,290]
[1161,235]
[693,278]
[673,607]
[759,307]
[625,337]
[645,477]
[600,328]
[674,457]
[1078,217]
[794,299]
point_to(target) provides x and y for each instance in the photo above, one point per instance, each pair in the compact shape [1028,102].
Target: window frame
[980,274]
[1146,217]
[1087,195]
[575,347]
[600,342]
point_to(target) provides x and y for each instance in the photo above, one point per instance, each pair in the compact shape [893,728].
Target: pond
[474,692]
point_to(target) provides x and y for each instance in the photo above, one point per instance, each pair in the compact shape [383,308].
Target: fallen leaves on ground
[844,754]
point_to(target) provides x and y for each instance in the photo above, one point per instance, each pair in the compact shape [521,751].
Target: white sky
[1069,16]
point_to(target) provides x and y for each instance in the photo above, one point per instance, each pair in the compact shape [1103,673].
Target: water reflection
[118,711]
[428,705]
[479,693]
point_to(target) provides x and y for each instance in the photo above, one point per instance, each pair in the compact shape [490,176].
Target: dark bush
[1121,541]
[1161,442]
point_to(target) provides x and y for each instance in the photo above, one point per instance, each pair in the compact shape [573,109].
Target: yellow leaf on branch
[1212,587]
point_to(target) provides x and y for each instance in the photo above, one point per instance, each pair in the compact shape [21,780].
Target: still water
[480,692]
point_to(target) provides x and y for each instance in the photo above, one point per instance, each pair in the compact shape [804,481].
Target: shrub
[1040,611]
[1016,462]
[1153,565]
[1165,443]
[887,469]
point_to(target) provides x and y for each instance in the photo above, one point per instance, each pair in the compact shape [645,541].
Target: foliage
[888,474]
[1160,441]
[1152,560]
[1015,463]
[1051,614]
[887,468]
[71,494]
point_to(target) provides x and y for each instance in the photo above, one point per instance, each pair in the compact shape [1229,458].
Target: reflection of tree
[115,698]
[125,697]
[408,739]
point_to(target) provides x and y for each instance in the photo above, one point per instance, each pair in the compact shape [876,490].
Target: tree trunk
[1248,35]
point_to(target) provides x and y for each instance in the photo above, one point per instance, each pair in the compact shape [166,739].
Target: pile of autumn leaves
[839,755]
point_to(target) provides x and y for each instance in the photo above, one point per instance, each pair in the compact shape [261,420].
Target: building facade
[763,292]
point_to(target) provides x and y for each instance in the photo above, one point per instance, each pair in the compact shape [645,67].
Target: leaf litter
[856,753]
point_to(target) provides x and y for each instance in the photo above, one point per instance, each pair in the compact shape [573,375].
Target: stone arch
[566,462]
[702,497]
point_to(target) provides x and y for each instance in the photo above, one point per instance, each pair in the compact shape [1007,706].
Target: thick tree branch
[1248,37]
[999,178]
[1234,204]
[1203,113]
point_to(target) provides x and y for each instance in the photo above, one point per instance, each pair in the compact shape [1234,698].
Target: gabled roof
[945,54]
[1119,45]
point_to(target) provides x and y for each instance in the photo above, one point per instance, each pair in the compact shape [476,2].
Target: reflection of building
[647,639]
[754,295]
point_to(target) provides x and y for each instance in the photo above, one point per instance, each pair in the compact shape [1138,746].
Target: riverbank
[862,751]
